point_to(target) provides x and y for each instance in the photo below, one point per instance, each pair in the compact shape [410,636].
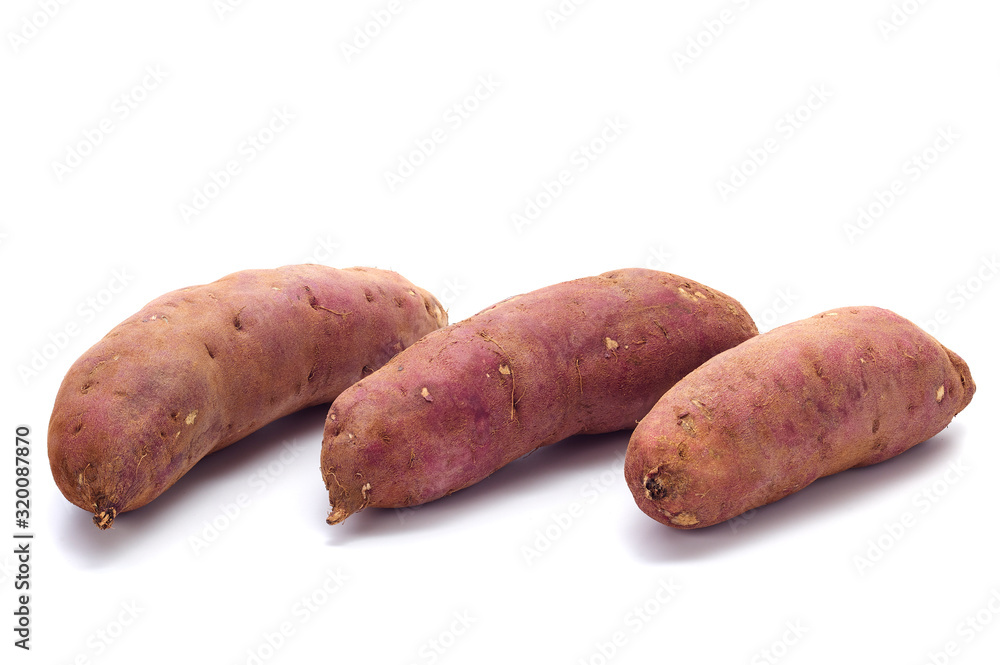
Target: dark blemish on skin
[312,297]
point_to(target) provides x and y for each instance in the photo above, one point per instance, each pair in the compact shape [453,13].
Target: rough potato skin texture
[200,368]
[846,388]
[585,356]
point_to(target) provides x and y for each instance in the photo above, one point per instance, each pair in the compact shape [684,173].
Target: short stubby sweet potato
[846,388]
[200,368]
[586,356]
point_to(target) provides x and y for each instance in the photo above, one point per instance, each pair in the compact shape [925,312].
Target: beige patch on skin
[505,370]
[684,420]
[682,519]
[191,416]
[704,409]
[610,344]
[426,394]
[940,394]
[686,294]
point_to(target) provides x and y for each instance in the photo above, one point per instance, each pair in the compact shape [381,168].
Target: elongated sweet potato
[200,368]
[586,356]
[846,388]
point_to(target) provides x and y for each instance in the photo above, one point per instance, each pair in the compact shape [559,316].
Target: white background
[529,584]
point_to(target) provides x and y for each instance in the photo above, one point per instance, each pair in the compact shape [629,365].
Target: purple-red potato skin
[846,388]
[586,356]
[198,369]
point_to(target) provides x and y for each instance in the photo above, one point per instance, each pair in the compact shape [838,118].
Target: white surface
[650,200]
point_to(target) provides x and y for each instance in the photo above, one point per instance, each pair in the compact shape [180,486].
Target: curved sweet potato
[585,356]
[848,387]
[200,368]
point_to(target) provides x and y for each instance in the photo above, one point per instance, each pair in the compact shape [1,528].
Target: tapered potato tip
[337,515]
[105,518]
[965,376]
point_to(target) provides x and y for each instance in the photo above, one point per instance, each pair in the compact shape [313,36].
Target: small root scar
[237,322]
[506,371]
[343,490]
[342,315]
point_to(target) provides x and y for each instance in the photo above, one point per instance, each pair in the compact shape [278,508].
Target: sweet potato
[200,368]
[846,388]
[585,356]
